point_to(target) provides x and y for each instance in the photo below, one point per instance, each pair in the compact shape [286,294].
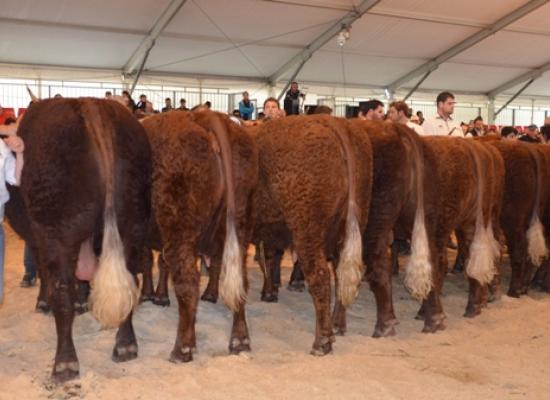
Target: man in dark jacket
[531,135]
[292,100]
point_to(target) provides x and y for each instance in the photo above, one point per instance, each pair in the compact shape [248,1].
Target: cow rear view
[86,187]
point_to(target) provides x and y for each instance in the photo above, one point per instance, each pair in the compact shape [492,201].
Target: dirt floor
[502,354]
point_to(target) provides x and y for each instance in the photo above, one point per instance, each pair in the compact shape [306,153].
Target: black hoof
[323,348]
[238,345]
[270,298]
[297,286]
[181,355]
[43,307]
[80,308]
[209,297]
[65,371]
[514,293]
[161,301]
[125,353]
[146,297]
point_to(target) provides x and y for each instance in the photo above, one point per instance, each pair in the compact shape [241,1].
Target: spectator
[292,100]
[322,110]
[108,94]
[545,130]
[208,105]
[10,171]
[442,123]
[57,96]
[509,132]
[272,109]
[420,116]
[531,135]
[464,126]
[372,110]
[167,105]
[142,103]
[236,113]
[399,114]
[131,103]
[183,104]
[479,128]
[246,108]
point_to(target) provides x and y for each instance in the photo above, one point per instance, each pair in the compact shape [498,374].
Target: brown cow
[524,202]
[469,178]
[204,172]
[314,191]
[86,180]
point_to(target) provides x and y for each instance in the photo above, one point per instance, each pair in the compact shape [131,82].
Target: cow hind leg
[42,302]
[147,293]
[270,264]
[317,274]
[161,294]
[62,295]
[126,347]
[240,339]
[296,283]
[186,280]
[211,292]
[82,294]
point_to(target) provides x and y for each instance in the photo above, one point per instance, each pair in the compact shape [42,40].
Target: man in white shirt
[372,110]
[399,113]
[443,124]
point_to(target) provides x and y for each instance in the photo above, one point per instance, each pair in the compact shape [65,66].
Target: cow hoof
[181,355]
[65,371]
[270,297]
[146,297]
[296,286]
[386,329]
[322,348]
[495,296]
[434,326]
[43,307]
[80,308]
[209,297]
[472,311]
[514,293]
[238,345]
[125,353]
[161,301]
[340,330]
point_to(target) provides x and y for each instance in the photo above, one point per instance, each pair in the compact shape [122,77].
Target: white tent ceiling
[252,39]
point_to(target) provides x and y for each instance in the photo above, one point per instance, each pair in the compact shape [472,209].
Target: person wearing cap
[443,124]
[531,135]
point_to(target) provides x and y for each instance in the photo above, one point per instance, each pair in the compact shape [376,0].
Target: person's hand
[15,144]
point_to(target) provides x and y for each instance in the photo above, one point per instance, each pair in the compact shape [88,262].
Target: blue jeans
[1,262]
[28,261]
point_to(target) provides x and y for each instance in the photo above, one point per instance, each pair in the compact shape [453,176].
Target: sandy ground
[502,354]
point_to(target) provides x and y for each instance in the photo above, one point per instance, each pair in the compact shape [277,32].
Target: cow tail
[114,291]
[536,243]
[232,288]
[350,266]
[419,270]
[483,250]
